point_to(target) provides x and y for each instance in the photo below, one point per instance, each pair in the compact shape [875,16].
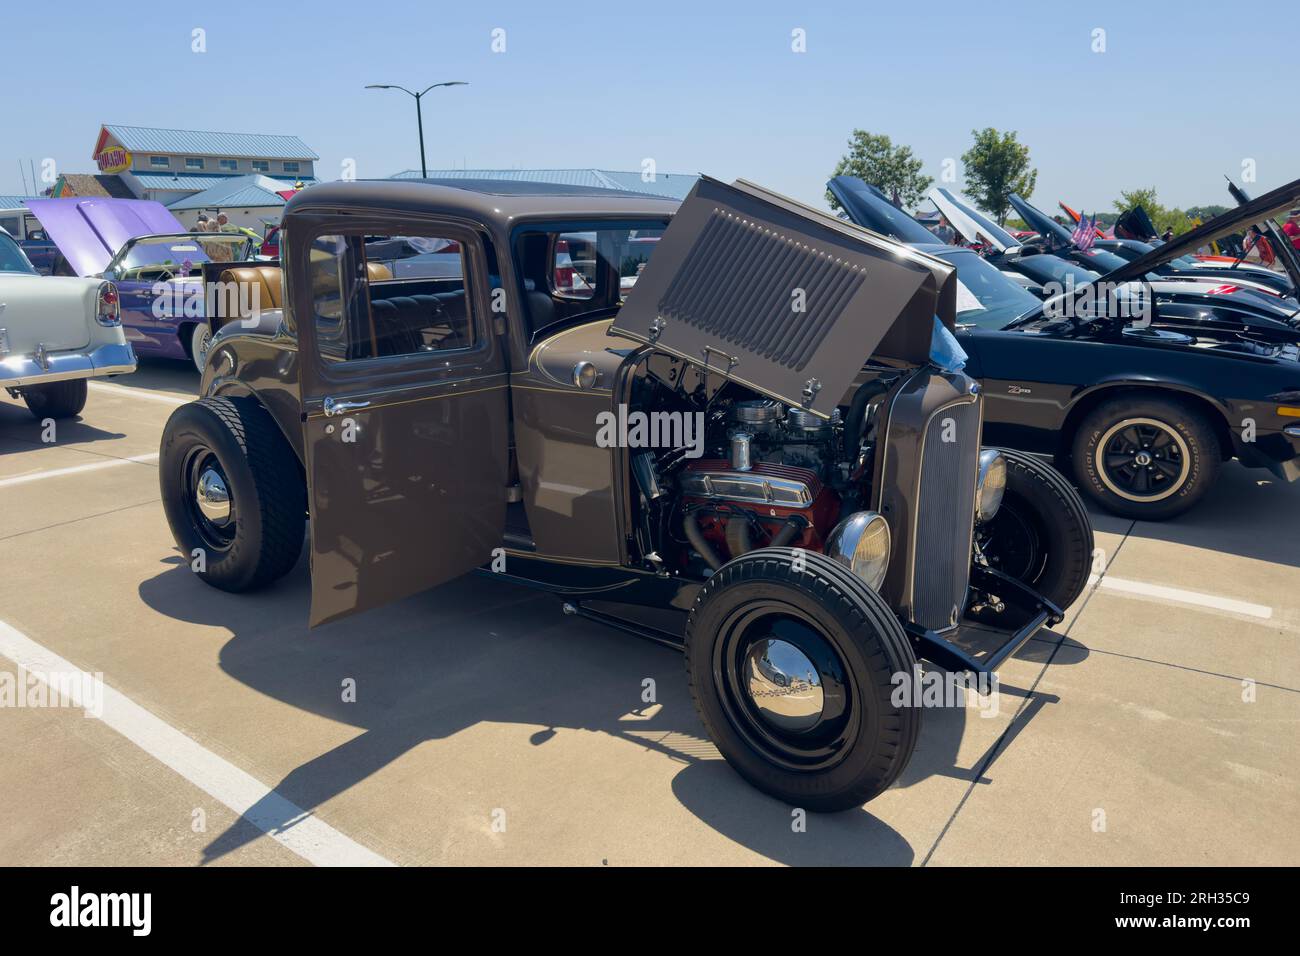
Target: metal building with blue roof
[170,165]
[672,185]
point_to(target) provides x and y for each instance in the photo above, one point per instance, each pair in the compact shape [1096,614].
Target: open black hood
[1286,252]
[1234,220]
[783,298]
[1052,231]
[867,206]
[1135,224]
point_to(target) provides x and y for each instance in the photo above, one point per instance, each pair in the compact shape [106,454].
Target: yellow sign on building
[114,159]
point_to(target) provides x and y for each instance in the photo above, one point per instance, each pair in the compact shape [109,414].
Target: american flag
[1085,233]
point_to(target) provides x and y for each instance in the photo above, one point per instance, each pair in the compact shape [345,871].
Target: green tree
[893,170]
[997,165]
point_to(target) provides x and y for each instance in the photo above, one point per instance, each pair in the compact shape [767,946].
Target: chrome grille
[945,515]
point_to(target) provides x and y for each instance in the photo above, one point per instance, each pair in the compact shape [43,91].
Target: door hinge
[514,493]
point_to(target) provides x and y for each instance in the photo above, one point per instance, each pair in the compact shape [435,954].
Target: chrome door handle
[332,408]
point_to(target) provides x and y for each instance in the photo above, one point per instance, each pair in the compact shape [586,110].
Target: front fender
[245,363]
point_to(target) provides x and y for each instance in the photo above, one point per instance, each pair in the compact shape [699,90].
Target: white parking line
[78,469]
[289,825]
[127,392]
[1179,596]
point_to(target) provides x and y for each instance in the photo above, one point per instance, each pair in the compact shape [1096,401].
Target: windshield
[986,298]
[152,256]
[12,258]
[574,269]
[1044,269]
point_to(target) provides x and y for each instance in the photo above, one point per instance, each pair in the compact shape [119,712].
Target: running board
[981,643]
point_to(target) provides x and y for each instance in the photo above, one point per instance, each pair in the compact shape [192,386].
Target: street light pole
[419,117]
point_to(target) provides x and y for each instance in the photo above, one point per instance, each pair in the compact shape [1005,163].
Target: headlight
[990,484]
[861,543]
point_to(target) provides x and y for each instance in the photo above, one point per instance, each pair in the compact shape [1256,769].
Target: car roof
[492,201]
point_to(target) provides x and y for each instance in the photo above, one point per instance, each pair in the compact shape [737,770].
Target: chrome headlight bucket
[990,484]
[861,542]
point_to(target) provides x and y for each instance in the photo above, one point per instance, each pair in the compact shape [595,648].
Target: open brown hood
[783,298]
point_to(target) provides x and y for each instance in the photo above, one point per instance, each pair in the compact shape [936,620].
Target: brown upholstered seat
[260,286]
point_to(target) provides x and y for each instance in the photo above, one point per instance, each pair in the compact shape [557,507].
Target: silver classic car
[55,334]
[737,426]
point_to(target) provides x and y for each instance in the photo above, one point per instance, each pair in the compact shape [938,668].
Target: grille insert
[945,515]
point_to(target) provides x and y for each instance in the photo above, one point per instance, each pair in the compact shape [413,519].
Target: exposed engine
[773,484]
[770,475]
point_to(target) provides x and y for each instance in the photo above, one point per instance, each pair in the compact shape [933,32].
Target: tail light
[108,307]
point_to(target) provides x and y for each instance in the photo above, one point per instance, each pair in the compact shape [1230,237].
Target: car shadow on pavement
[480,650]
[1247,512]
[162,375]
[20,432]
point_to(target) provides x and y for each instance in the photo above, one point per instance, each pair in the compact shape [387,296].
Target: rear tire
[56,399]
[759,634]
[1149,458]
[231,449]
[1041,535]
[200,339]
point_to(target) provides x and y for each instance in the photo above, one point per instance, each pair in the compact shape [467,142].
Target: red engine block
[821,514]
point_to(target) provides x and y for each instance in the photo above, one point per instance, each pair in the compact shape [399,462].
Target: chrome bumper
[19,370]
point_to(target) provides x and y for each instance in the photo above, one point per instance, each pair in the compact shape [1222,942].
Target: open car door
[405,414]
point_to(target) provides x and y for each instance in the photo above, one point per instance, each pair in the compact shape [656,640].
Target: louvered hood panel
[785,299]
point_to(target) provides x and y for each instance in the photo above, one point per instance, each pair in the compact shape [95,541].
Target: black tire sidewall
[64,399]
[1202,444]
[880,749]
[189,426]
[1047,502]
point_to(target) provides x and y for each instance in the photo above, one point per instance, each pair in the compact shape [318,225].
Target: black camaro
[1140,414]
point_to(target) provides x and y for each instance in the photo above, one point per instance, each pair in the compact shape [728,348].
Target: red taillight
[108,309]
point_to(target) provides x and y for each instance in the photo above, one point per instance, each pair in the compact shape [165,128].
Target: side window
[380,296]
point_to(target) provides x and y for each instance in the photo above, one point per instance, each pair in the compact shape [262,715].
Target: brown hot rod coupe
[740,445]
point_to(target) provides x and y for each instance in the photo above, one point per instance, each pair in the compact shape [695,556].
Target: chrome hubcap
[784,685]
[212,497]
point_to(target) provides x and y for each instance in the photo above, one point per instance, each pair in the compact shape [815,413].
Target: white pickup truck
[55,333]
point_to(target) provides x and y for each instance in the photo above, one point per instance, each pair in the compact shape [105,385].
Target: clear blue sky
[1183,94]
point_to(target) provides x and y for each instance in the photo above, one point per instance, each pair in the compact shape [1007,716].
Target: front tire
[792,673]
[56,399]
[233,492]
[1041,535]
[1145,458]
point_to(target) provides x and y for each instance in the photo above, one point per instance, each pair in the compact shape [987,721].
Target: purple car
[156,265]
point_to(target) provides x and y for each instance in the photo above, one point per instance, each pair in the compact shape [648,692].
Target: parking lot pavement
[1156,725]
